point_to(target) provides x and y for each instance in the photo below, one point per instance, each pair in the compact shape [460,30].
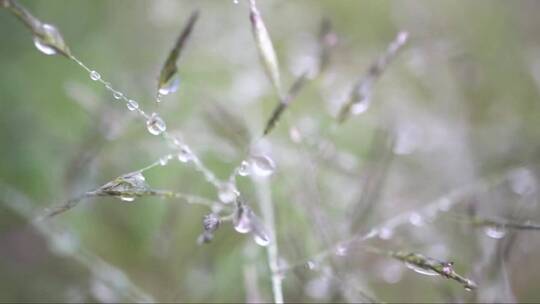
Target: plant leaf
[265,47]
[170,68]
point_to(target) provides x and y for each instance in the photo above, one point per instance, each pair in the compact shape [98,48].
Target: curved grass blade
[284,102]
[45,35]
[170,68]
[265,47]
[361,91]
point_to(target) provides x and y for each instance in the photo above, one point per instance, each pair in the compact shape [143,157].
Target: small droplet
[243,170]
[155,124]
[95,76]
[420,270]
[227,193]
[164,160]
[359,108]
[128,198]
[235,1]
[416,219]
[495,232]
[117,95]
[262,165]
[170,86]
[386,233]
[185,154]
[341,250]
[261,240]
[311,265]
[132,105]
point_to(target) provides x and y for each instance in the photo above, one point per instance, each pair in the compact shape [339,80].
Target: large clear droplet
[227,193]
[243,170]
[242,219]
[420,270]
[495,232]
[155,124]
[170,86]
[132,105]
[262,165]
[95,76]
[51,41]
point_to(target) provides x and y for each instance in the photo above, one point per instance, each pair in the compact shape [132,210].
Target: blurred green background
[459,104]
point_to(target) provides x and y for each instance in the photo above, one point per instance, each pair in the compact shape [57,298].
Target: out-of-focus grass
[462,100]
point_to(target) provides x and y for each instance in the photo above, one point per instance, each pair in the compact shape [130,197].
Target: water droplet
[522,181]
[235,1]
[117,95]
[416,219]
[386,233]
[495,232]
[155,124]
[128,198]
[261,240]
[185,154]
[132,105]
[170,86]
[341,250]
[164,160]
[50,41]
[95,76]
[262,165]
[242,219]
[359,108]
[243,170]
[295,135]
[227,193]
[420,270]
[312,265]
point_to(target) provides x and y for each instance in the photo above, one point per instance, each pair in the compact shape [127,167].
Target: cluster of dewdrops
[258,165]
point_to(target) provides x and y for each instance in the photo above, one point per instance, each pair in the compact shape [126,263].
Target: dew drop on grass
[416,219]
[495,232]
[95,76]
[128,198]
[244,168]
[386,233]
[185,154]
[164,160]
[359,107]
[117,95]
[311,265]
[242,220]
[52,33]
[132,105]
[261,240]
[262,165]
[227,193]
[155,124]
[170,86]
[420,270]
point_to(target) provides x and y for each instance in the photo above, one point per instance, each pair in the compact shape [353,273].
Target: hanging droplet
[155,124]
[242,218]
[95,76]
[132,105]
[386,233]
[243,170]
[170,86]
[185,154]
[128,198]
[495,232]
[420,270]
[50,42]
[262,165]
[341,250]
[117,95]
[227,193]
[261,240]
